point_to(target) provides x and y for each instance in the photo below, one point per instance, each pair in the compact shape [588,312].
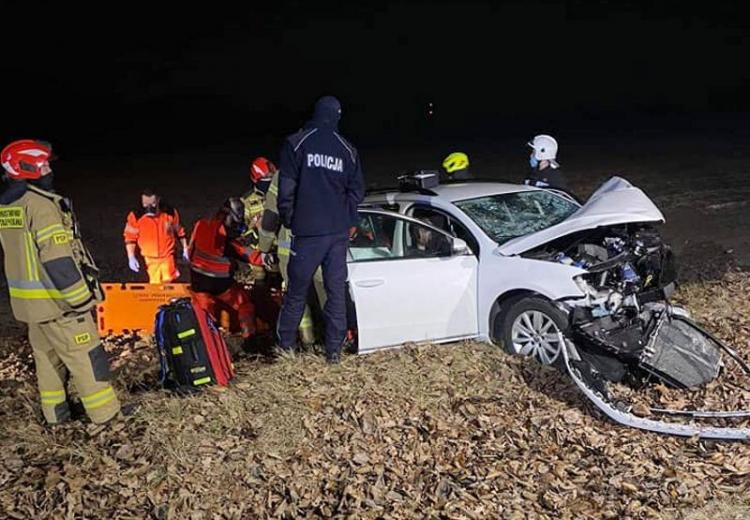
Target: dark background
[130,78]
[182,97]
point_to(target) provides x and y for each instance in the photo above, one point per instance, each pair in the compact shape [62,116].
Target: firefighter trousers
[306,325]
[70,348]
[308,255]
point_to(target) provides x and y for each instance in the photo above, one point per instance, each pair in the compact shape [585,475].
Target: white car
[499,263]
[585,288]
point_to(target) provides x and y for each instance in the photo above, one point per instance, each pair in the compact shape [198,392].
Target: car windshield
[510,215]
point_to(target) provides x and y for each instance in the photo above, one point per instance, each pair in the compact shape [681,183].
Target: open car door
[410,281]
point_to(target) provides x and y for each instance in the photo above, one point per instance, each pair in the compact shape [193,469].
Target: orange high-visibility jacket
[211,250]
[155,234]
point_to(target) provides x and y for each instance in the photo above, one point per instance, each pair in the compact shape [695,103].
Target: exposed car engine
[624,327]
[625,330]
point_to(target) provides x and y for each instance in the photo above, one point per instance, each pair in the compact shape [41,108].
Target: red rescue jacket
[211,250]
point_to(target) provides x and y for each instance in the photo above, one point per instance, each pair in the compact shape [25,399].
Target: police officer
[53,286]
[320,187]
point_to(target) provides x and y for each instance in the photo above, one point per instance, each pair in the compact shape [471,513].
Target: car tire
[528,326]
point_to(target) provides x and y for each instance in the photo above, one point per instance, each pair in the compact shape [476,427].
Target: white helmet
[545,147]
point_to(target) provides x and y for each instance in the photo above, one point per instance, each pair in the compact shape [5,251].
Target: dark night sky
[138,77]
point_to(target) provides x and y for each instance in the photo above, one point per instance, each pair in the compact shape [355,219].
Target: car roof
[452,191]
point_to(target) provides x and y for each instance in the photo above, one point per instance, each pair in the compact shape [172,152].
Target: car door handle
[375,282]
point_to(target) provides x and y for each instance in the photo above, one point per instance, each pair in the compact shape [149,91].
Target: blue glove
[533,162]
[133,264]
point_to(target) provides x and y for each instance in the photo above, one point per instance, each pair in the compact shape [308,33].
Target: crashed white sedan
[583,287]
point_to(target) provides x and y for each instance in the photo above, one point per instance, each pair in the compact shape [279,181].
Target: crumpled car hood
[615,202]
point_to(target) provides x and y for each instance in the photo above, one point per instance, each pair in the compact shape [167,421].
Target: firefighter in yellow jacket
[53,286]
[261,173]
[270,231]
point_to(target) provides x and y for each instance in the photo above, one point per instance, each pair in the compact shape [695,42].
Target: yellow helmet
[455,162]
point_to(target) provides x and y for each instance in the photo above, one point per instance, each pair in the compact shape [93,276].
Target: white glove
[133,264]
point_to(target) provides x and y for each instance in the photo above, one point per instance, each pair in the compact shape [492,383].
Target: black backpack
[192,352]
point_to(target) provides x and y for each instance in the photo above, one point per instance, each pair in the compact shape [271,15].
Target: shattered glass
[510,215]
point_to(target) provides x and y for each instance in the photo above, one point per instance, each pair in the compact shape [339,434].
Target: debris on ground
[454,431]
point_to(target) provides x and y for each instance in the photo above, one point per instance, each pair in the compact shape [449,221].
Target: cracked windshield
[510,215]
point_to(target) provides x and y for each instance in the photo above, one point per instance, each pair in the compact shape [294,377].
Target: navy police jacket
[320,180]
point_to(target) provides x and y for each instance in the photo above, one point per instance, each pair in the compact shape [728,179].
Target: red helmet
[26,159]
[260,169]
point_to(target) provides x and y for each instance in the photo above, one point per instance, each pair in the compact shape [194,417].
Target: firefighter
[320,187]
[456,167]
[272,232]
[53,286]
[154,228]
[545,170]
[214,245]
[261,172]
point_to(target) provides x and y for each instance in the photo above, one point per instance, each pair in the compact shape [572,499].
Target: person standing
[320,187]
[53,286]
[153,229]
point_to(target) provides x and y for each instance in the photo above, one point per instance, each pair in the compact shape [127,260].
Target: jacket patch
[82,339]
[60,238]
[328,162]
[11,218]
[63,272]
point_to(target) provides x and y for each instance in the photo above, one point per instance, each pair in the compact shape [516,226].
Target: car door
[409,283]
[444,221]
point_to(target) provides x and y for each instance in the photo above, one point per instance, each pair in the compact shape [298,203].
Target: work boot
[333,358]
[129,409]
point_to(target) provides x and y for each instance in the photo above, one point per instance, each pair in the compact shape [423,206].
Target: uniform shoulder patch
[12,218]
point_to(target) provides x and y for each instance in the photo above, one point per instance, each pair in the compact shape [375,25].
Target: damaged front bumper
[594,387]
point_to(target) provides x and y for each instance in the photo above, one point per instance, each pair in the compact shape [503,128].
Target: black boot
[333,357]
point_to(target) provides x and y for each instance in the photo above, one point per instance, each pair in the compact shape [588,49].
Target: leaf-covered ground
[459,431]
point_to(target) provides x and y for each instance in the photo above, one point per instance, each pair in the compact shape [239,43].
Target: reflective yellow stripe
[306,322]
[76,295]
[35,294]
[186,334]
[109,399]
[46,233]
[283,251]
[53,400]
[52,393]
[35,270]
[273,190]
[29,256]
[177,350]
[99,399]
[202,381]
[73,296]
[52,397]
[97,395]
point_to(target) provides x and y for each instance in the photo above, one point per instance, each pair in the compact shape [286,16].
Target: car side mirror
[460,247]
